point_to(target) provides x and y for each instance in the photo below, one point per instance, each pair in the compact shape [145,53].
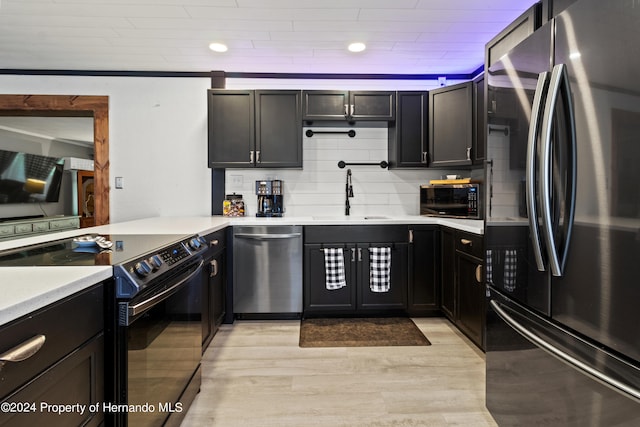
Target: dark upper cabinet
[261,128]
[408,136]
[451,125]
[348,105]
[278,128]
[231,128]
[518,30]
[479,120]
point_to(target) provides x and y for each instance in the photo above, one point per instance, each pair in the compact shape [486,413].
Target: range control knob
[142,268]
[195,243]
[155,262]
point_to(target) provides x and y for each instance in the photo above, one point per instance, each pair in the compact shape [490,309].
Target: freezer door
[599,293]
[539,374]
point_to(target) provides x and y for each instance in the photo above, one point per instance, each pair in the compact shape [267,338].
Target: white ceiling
[271,36]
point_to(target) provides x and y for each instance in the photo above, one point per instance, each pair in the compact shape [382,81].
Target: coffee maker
[270,198]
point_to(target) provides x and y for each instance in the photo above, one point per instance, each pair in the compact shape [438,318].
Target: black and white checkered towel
[488,266]
[334,268]
[379,269]
[510,269]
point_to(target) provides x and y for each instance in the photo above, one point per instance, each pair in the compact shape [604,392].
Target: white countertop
[26,289]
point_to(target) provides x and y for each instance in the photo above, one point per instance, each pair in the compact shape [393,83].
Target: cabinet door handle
[424,157]
[479,273]
[353,254]
[251,156]
[466,242]
[346,110]
[214,243]
[23,351]
[214,268]
[410,236]
[258,156]
[353,109]
[468,153]
[359,254]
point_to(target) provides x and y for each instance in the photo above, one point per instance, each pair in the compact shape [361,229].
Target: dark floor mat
[360,332]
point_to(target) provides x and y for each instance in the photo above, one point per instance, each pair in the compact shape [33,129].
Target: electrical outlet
[119,182]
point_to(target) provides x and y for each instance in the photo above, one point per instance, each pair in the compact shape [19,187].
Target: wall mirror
[82,124]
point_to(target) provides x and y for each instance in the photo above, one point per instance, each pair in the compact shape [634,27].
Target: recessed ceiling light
[218,47]
[357,47]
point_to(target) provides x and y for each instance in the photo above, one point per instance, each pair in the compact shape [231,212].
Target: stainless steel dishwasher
[267,271]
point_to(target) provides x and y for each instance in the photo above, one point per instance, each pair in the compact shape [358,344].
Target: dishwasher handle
[267,236]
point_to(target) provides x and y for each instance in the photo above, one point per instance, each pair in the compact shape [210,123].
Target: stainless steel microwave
[451,200]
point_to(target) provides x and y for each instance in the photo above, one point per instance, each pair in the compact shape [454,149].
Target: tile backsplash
[318,189]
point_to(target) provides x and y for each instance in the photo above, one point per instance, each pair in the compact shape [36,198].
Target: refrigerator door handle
[563,356]
[532,143]
[559,81]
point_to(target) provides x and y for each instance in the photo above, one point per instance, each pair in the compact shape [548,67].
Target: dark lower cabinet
[357,297]
[213,286]
[449,286]
[424,258]
[471,297]
[463,294]
[67,369]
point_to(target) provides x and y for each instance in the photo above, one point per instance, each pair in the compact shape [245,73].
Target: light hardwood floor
[255,375]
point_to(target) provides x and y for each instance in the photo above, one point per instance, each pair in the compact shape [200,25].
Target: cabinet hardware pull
[479,273]
[251,156]
[353,109]
[214,243]
[359,254]
[346,110]
[410,236]
[214,268]
[424,157]
[258,156]
[23,351]
[353,254]
[466,242]
[468,153]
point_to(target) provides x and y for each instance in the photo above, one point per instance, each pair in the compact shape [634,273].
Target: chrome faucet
[348,192]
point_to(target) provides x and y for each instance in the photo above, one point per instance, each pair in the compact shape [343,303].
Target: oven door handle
[134,310]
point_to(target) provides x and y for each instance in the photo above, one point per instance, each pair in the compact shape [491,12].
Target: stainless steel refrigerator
[563,222]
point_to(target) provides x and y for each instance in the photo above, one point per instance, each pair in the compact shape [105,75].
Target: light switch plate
[119,182]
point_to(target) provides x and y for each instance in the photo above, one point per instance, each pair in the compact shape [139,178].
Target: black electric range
[137,259]
[154,305]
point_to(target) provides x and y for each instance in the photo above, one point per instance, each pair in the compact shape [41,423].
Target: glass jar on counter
[233,205]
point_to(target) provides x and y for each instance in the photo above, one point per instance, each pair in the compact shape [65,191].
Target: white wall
[158,144]
[157,137]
